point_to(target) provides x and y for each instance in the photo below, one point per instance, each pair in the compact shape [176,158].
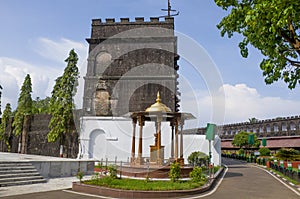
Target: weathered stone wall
[36,139]
[285,126]
[134,66]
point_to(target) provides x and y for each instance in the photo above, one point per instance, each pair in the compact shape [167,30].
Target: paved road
[242,181]
[248,182]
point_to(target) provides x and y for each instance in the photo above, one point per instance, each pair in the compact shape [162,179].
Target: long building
[279,132]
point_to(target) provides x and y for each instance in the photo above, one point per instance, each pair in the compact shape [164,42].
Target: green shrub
[241,151]
[264,151]
[112,171]
[80,176]
[198,158]
[197,175]
[175,171]
[288,154]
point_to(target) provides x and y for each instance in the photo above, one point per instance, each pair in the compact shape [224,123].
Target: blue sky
[37,35]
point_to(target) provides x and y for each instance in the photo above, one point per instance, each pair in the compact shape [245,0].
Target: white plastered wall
[108,137]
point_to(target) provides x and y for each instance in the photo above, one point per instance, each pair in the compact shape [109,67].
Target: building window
[292,126]
[284,127]
[268,128]
[276,128]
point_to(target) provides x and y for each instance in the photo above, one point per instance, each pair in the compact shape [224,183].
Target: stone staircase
[19,173]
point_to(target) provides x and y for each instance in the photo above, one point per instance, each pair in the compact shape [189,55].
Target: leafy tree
[273,27]
[253,120]
[4,123]
[61,102]
[241,140]
[198,158]
[288,154]
[0,98]
[40,105]
[264,151]
[24,105]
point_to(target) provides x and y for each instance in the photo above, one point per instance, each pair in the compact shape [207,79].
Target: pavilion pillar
[181,143]
[159,160]
[134,121]
[176,140]
[140,149]
[172,139]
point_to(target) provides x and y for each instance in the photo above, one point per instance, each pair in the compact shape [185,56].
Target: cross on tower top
[169,10]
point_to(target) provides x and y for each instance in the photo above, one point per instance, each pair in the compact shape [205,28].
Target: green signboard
[211,131]
[264,142]
[251,139]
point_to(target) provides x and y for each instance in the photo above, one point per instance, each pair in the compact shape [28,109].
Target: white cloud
[241,103]
[58,50]
[13,71]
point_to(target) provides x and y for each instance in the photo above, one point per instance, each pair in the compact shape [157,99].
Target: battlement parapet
[137,20]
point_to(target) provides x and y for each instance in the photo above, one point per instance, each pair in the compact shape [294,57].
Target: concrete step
[26,178]
[14,175]
[15,183]
[17,171]
[17,168]
[6,164]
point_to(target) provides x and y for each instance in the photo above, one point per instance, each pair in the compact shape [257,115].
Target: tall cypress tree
[7,113]
[0,98]
[62,103]
[24,105]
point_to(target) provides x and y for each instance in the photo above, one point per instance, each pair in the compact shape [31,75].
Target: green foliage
[4,123]
[133,184]
[174,172]
[241,151]
[0,98]
[288,154]
[273,27]
[61,102]
[197,175]
[264,151]
[80,175]
[241,140]
[198,158]
[24,105]
[112,169]
[40,106]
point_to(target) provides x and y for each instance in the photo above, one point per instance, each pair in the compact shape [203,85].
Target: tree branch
[292,62]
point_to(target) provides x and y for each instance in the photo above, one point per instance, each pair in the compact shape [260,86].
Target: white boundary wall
[110,137]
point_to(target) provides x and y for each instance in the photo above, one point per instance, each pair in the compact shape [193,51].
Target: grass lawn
[133,184]
[286,177]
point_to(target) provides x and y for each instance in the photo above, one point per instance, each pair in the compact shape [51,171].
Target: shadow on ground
[233,174]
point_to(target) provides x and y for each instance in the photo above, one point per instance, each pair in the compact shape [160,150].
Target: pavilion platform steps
[19,173]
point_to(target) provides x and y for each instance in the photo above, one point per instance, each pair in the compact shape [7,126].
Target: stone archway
[97,144]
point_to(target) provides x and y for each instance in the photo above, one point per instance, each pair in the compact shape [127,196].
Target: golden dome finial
[158,100]
[158,106]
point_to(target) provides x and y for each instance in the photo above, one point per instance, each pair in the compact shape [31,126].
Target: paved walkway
[249,182]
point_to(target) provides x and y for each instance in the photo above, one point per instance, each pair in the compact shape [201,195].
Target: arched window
[283,126]
[268,128]
[275,127]
[292,126]
[261,129]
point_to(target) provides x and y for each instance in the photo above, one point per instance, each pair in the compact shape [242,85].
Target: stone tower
[129,61]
